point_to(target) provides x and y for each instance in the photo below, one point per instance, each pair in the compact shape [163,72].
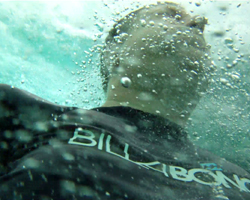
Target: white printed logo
[88,139]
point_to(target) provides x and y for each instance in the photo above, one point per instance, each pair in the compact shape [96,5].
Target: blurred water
[51,49]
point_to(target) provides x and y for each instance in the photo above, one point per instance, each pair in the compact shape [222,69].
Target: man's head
[161,49]
[169,20]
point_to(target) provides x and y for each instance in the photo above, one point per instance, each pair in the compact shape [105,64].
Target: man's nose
[197,22]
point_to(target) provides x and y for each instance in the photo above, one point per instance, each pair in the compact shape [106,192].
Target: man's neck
[146,102]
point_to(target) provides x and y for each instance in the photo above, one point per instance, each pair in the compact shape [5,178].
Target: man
[155,66]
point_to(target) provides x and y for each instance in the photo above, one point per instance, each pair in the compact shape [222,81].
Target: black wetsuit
[62,153]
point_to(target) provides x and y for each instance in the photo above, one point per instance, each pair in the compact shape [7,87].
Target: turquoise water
[51,50]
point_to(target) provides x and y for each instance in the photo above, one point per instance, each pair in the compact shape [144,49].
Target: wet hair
[108,57]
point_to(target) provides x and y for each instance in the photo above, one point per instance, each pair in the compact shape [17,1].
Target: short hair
[125,24]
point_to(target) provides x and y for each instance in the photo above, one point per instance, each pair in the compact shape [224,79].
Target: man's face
[161,51]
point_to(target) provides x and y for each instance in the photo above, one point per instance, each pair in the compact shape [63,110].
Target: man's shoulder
[214,162]
[17,101]
[15,96]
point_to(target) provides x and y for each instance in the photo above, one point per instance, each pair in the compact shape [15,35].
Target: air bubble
[23,136]
[235,77]
[178,17]
[143,22]
[68,156]
[224,81]
[236,50]
[196,62]
[228,40]
[198,4]
[165,27]
[126,82]
[235,62]
[107,193]
[152,23]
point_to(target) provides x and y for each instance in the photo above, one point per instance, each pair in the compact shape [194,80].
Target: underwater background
[51,49]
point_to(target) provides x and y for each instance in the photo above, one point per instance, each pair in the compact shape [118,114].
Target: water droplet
[139,75]
[126,82]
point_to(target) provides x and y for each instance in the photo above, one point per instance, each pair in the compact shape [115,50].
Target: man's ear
[197,22]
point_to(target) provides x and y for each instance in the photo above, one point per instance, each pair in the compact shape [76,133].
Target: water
[51,49]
